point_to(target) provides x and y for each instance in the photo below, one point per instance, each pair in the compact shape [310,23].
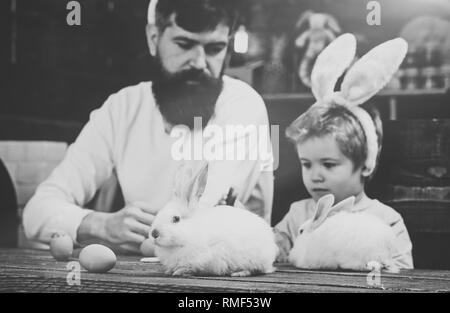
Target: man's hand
[129,227]
[124,230]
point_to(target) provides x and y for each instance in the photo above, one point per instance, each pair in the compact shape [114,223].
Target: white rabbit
[336,238]
[221,240]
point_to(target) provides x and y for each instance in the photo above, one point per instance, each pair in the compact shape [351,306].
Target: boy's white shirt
[127,135]
[303,210]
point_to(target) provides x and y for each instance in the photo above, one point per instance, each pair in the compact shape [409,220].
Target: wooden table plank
[26,270]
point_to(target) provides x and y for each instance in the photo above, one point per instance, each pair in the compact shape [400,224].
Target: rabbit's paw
[373,266]
[241,274]
[391,267]
[269,270]
[168,272]
[183,271]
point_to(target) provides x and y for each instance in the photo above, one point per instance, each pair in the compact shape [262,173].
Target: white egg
[97,258]
[61,246]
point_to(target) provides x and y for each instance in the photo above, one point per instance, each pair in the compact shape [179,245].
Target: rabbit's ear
[332,23]
[331,64]
[304,18]
[323,207]
[373,71]
[344,205]
[182,181]
[198,185]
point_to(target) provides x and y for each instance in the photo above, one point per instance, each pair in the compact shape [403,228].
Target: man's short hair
[339,122]
[197,15]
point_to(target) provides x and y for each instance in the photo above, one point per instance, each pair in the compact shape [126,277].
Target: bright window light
[241,40]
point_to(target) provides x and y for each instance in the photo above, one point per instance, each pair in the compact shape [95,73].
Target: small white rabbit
[221,240]
[336,238]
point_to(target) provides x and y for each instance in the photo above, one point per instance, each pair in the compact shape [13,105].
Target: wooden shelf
[408,93]
[383,93]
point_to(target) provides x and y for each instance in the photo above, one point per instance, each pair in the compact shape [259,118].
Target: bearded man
[131,135]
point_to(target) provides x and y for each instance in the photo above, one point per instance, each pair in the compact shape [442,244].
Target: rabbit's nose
[155,233]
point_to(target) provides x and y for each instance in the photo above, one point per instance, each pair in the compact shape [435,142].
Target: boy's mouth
[321,191]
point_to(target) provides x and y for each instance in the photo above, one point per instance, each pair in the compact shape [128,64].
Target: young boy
[332,148]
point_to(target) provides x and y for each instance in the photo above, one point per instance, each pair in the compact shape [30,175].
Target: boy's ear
[365,172]
[152,33]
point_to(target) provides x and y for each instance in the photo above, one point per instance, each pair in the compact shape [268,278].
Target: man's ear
[152,38]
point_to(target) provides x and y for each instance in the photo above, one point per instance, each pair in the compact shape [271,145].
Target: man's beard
[185,95]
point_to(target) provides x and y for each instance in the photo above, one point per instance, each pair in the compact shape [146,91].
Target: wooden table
[37,271]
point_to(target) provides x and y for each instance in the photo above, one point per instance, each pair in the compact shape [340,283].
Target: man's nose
[198,60]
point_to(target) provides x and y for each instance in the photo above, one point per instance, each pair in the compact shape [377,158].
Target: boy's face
[326,170]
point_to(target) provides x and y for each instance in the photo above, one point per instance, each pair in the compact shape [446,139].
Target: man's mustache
[192,76]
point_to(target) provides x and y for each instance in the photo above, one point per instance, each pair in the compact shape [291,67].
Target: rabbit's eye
[175,219]
[300,231]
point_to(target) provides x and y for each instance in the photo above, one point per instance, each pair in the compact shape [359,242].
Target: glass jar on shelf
[430,76]
[445,74]
[410,71]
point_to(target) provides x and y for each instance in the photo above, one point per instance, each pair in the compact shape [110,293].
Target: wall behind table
[64,72]
[280,17]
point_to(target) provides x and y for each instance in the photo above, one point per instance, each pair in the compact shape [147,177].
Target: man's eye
[175,219]
[184,45]
[214,50]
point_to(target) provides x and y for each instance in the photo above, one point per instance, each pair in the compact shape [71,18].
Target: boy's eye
[306,165]
[329,165]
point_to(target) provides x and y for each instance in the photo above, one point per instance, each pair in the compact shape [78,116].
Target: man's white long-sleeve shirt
[127,135]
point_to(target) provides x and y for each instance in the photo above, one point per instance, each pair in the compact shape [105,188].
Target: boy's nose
[198,60]
[316,176]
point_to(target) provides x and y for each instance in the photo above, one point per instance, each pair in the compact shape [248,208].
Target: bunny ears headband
[362,81]
[151,12]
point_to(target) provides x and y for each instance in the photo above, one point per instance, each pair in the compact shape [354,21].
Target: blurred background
[53,75]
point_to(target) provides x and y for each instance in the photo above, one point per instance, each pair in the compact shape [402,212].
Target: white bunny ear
[190,181]
[151,12]
[331,64]
[324,205]
[183,181]
[373,71]
[344,205]
[326,209]
[198,185]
